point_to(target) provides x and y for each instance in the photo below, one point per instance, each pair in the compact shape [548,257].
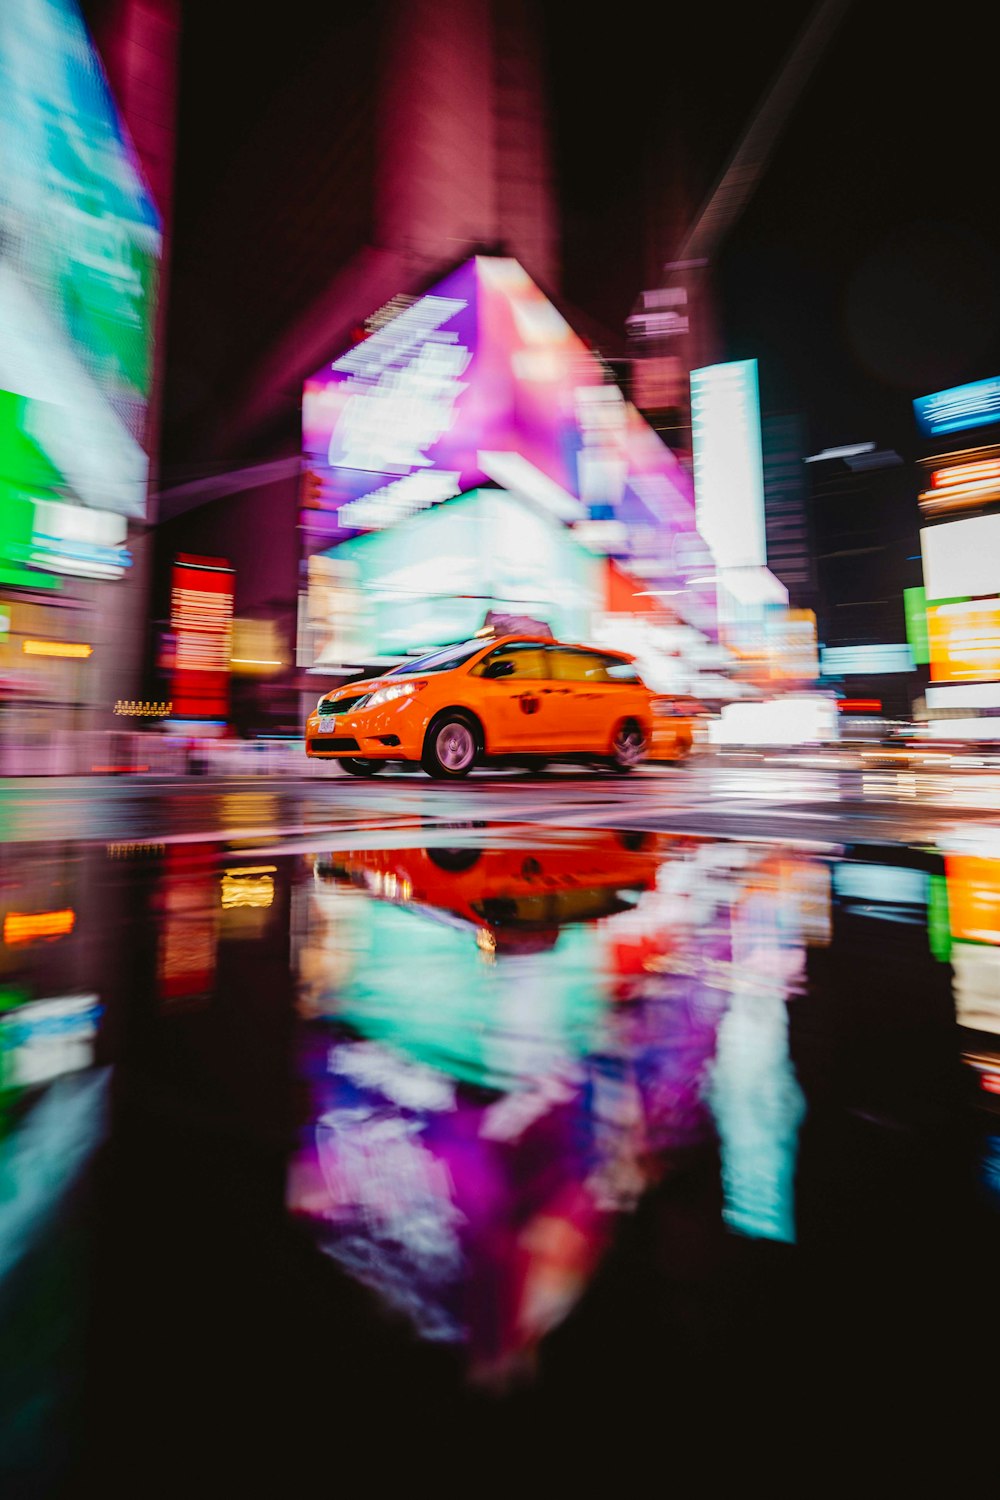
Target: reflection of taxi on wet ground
[515,899]
[515,699]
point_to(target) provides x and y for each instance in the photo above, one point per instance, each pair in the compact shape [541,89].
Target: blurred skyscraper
[433,145]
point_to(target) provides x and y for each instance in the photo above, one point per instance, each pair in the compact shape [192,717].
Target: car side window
[526,658]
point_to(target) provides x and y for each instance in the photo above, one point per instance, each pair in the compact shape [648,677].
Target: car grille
[344,705]
[331,742]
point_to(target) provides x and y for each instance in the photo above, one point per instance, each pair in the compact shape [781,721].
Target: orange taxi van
[512,699]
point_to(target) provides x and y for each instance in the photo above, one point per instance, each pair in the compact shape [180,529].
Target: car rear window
[574,664]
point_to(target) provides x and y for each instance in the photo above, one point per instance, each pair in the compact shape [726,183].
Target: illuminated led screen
[964,640]
[962,558]
[432,579]
[915,607]
[974,405]
[201,613]
[81,246]
[482,382]
[728,468]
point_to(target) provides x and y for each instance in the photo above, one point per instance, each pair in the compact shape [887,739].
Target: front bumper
[388,733]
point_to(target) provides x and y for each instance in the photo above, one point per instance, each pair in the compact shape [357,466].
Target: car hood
[353,690]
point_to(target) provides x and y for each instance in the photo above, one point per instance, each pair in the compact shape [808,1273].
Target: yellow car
[512,699]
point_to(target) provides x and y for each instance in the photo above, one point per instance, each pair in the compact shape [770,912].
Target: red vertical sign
[201,614]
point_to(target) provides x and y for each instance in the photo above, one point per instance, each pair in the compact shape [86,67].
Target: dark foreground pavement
[454,1137]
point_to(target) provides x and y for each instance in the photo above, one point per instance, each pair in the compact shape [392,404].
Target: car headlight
[395,690]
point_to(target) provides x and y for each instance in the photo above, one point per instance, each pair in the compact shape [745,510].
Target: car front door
[517,710]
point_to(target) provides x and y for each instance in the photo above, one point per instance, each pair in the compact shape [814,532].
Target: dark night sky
[865,270]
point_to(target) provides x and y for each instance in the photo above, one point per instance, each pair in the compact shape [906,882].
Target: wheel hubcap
[628,747]
[455,747]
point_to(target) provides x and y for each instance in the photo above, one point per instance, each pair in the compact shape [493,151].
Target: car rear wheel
[354,766]
[628,748]
[451,747]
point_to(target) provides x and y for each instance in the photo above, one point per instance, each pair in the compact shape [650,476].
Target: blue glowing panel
[961,407]
[849,661]
[879,885]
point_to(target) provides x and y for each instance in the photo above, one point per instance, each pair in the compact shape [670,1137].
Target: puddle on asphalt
[495,1119]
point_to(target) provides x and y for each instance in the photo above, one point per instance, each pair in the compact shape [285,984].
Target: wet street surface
[347,1127]
[786,796]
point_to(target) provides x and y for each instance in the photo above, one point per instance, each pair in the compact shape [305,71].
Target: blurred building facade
[866,553]
[954,615]
[436,150]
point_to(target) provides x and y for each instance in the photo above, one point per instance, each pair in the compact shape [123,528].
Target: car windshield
[440,661]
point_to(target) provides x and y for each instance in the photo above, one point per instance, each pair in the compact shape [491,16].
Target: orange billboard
[964,640]
[974,897]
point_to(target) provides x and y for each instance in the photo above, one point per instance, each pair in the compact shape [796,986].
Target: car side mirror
[499,669]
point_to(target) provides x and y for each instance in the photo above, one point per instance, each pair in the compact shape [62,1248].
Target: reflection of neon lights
[248,886]
[26,927]
[257,890]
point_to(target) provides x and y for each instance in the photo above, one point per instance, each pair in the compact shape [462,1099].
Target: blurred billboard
[962,558]
[79,250]
[436,575]
[964,641]
[201,614]
[728,466]
[482,385]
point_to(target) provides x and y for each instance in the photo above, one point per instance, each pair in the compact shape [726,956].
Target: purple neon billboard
[482,381]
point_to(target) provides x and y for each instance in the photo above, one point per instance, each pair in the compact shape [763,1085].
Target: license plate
[327,724]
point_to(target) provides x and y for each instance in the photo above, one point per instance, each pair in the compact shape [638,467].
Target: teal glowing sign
[961,407]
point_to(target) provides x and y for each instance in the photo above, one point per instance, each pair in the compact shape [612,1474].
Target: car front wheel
[451,747]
